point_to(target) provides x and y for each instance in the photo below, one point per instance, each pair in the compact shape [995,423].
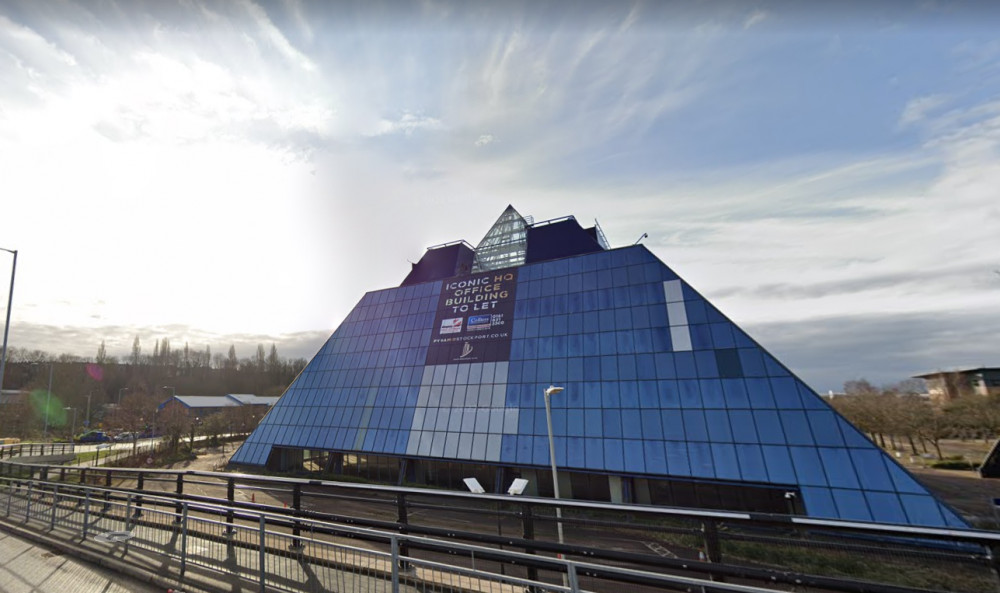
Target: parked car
[125,437]
[93,436]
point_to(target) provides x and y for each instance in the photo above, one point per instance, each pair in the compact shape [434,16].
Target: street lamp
[72,433]
[6,327]
[119,395]
[552,390]
[173,392]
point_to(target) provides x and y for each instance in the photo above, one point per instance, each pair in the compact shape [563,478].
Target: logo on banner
[451,326]
[479,322]
[466,350]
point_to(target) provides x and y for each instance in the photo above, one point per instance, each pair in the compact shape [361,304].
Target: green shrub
[954,464]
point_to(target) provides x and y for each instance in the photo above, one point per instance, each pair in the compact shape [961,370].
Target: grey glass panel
[465,446]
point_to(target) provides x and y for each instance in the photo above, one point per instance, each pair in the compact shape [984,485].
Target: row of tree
[896,416]
[85,389]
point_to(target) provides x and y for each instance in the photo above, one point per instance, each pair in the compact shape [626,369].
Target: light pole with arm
[552,390]
[173,392]
[6,327]
[120,394]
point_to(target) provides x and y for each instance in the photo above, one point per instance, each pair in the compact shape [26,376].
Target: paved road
[27,568]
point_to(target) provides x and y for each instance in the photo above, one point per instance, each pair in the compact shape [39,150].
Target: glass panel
[677,458]
[839,468]
[751,463]
[851,505]
[779,464]
[885,507]
[808,466]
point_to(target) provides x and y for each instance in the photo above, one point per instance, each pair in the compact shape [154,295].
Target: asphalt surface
[29,568]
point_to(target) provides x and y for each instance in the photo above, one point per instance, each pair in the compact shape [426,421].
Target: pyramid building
[666,401]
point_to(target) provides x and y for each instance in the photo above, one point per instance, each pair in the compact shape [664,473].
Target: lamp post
[173,392]
[552,390]
[48,398]
[87,419]
[72,432]
[6,327]
[119,395]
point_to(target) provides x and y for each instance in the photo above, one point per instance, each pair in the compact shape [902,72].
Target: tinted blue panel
[810,400]
[631,423]
[718,426]
[694,425]
[711,393]
[656,459]
[661,339]
[673,424]
[613,460]
[695,306]
[610,394]
[702,464]
[634,456]
[808,466]
[779,464]
[824,428]
[652,427]
[649,396]
[885,507]
[903,481]
[819,502]
[726,465]
[869,464]
[540,450]
[705,362]
[575,452]
[769,427]
[742,424]
[669,394]
[665,366]
[645,366]
[751,463]
[612,423]
[593,422]
[839,468]
[677,458]
[684,363]
[690,394]
[735,392]
[796,427]
[760,393]
[786,393]
[852,435]
[851,505]
[701,339]
[595,452]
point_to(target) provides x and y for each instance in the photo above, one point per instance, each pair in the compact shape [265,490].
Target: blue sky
[240,172]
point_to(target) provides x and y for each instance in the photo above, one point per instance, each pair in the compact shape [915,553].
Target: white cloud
[919,109]
[756,17]
[407,124]
[485,139]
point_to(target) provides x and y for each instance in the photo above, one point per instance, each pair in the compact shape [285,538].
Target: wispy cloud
[755,18]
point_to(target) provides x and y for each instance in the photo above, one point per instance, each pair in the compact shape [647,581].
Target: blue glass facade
[658,383]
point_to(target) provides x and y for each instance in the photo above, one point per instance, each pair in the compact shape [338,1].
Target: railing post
[296,526]
[394,543]
[713,551]
[231,497]
[184,536]
[262,554]
[139,483]
[180,492]
[27,509]
[55,503]
[86,514]
[402,522]
[528,524]
[10,495]
[574,582]
[107,493]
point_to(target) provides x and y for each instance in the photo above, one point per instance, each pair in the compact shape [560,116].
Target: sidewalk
[25,566]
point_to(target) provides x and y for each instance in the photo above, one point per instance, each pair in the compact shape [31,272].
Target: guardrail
[433,526]
[262,552]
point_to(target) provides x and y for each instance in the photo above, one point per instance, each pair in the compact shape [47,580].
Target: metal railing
[434,526]
[262,552]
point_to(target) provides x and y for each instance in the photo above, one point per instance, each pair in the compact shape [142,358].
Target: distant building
[205,405]
[946,386]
